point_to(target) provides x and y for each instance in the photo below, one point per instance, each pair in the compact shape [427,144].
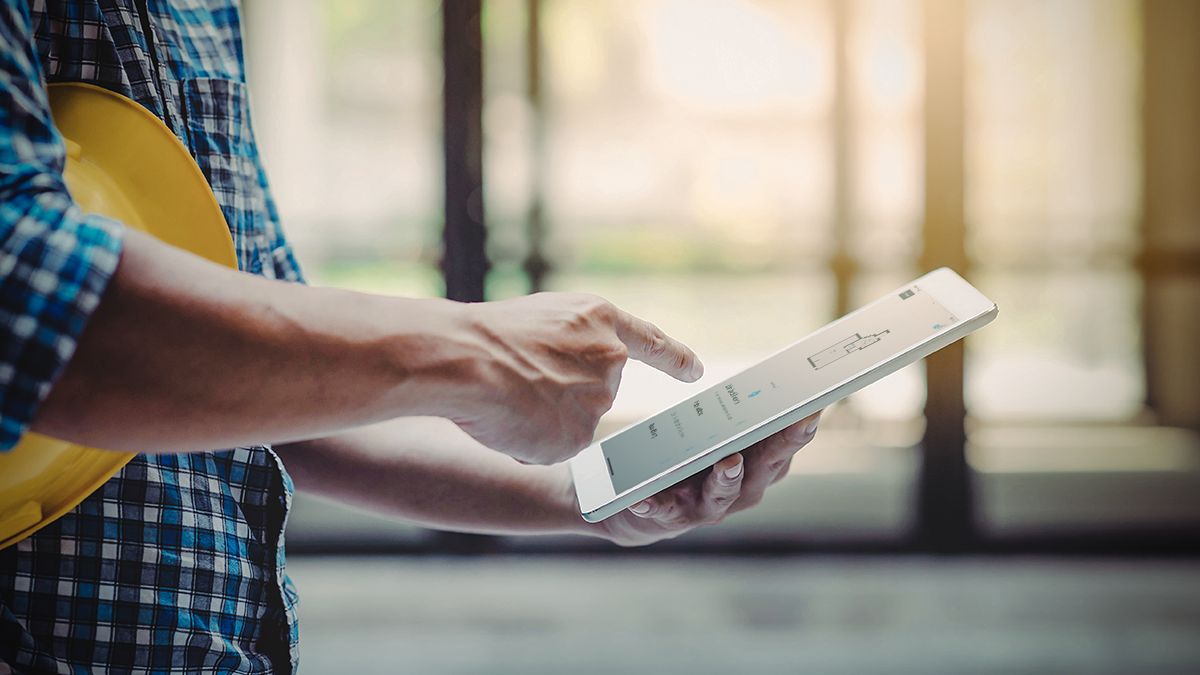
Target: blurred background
[741,172]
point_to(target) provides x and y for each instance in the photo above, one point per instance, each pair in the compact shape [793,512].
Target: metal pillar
[464,257]
[842,263]
[1170,258]
[944,506]
[536,265]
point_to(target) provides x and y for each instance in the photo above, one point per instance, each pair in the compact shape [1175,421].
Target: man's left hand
[734,484]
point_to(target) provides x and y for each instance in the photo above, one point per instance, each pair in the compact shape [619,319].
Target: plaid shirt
[176,564]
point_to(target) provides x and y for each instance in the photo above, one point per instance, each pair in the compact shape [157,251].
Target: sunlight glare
[730,54]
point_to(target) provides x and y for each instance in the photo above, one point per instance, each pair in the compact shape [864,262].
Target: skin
[400,405]
[427,471]
[184,355]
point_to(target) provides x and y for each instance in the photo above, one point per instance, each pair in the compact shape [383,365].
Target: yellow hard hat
[124,163]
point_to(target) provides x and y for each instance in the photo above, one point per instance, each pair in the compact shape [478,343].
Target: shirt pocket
[218,128]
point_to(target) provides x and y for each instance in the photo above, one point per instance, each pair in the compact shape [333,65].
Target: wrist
[568,506]
[440,362]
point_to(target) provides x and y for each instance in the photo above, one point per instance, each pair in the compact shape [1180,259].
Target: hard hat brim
[122,162]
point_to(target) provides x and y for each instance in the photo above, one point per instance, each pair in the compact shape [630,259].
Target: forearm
[427,471]
[182,354]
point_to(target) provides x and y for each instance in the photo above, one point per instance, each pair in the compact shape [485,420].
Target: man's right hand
[183,355]
[548,366]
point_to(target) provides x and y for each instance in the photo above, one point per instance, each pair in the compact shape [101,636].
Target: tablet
[862,347]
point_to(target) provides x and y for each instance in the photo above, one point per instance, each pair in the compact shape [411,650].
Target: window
[741,171]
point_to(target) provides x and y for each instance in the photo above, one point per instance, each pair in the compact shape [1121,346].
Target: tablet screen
[820,361]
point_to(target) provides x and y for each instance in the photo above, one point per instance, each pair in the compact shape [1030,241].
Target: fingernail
[697,370]
[734,471]
[811,427]
[641,508]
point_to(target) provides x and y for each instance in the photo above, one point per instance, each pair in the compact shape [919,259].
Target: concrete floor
[666,615]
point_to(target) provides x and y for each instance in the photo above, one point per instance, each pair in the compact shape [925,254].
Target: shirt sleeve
[55,262]
[282,255]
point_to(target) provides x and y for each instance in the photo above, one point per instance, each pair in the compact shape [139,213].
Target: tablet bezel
[593,486]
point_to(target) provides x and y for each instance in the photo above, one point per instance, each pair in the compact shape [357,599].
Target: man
[112,339]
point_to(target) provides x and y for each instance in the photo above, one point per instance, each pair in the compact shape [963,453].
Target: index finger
[648,344]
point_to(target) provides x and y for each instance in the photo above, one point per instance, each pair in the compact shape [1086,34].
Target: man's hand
[426,470]
[184,355]
[734,484]
[548,368]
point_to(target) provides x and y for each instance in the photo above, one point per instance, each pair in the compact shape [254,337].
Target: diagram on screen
[848,346]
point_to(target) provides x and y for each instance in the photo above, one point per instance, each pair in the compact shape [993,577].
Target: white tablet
[843,357]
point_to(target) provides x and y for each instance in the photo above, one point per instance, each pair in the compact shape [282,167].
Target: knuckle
[780,464]
[598,307]
[618,353]
[680,360]
[538,456]
[604,405]
[669,515]
[656,344]
[724,501]
[783,470]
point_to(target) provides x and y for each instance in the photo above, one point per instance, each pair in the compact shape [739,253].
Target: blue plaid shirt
[176,564]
